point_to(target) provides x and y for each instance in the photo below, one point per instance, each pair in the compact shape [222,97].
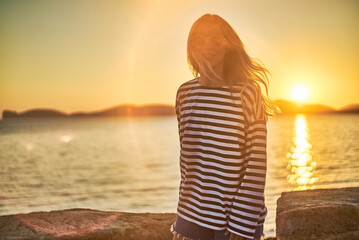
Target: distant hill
[287,107]
[351,108]
[119,110]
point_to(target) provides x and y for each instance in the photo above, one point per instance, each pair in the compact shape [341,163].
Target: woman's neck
[218,69]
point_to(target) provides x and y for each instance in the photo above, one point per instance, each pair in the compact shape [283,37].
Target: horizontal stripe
[213,222]
[214,165]
[213,137]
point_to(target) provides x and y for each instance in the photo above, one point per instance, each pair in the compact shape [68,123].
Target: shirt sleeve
[248,203]
[178,115]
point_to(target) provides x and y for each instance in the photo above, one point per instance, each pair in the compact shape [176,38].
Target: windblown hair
[238,69]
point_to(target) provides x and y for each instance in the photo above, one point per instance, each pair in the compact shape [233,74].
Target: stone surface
[318,214]
[330,214]
[81,224]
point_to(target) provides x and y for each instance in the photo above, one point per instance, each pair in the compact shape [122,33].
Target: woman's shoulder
[251,92]
[187,84]
[182,89]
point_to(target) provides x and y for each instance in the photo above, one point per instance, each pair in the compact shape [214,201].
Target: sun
[299,93]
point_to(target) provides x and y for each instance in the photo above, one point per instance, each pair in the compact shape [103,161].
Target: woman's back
[217,140]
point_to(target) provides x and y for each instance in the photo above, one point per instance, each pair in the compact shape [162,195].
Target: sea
[131,164]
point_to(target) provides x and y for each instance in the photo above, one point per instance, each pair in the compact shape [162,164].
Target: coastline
[84,223]
[320,214]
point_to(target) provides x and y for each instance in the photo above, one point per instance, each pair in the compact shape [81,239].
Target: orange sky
[90,55]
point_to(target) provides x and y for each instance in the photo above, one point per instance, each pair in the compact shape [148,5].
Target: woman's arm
[247,204]
[178,114]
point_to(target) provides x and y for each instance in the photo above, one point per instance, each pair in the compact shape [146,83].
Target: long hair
[238,68]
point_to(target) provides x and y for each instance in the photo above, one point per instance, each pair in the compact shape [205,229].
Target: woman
[222,118]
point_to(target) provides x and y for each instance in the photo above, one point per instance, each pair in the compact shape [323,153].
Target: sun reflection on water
[300,163]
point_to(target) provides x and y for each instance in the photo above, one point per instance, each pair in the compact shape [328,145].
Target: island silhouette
[287,107]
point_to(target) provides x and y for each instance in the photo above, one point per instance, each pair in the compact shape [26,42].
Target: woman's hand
[234,236]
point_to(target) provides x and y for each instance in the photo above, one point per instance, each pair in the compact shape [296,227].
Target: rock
[81,224]
[328,214]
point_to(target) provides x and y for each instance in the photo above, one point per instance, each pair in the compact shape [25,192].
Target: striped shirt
[223,159]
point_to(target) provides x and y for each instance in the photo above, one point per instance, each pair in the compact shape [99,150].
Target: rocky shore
[81,224]
[320,214]
[330,214]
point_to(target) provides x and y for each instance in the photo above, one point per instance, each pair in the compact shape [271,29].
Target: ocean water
[132,164]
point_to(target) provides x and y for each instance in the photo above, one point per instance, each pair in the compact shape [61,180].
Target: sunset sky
[89,55]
